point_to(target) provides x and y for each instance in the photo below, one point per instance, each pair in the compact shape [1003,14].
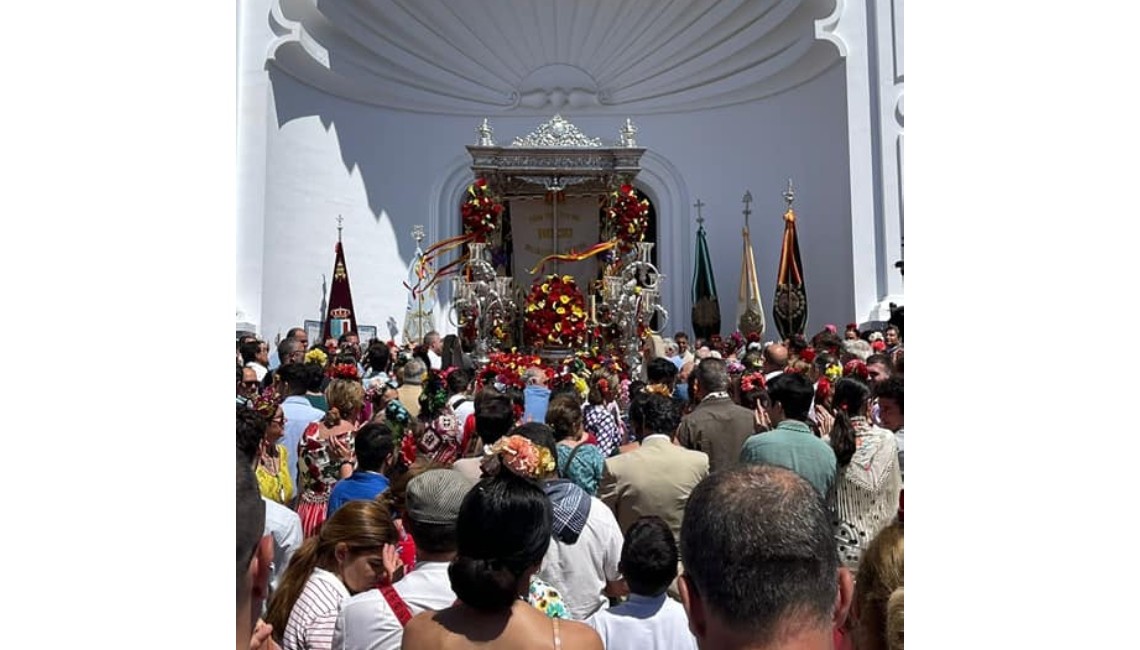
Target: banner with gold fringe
[790,306]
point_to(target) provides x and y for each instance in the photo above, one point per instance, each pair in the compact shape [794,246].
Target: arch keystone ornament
[789,309]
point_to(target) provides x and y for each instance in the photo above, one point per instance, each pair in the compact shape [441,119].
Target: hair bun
[482,583]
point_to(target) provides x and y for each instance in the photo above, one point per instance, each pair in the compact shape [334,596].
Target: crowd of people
[736,494]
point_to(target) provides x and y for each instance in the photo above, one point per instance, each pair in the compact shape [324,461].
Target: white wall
[377,168]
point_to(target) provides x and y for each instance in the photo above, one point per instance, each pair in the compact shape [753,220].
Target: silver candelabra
[630,300]
[483,298]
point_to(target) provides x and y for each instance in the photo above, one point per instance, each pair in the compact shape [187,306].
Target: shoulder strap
[565,473]
[399,607]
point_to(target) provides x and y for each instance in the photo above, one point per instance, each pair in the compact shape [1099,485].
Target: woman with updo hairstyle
[326,451]
[503,530]
[752,394]
[442,431]
[868,478]
[601,417]
[876,620]
[353,552]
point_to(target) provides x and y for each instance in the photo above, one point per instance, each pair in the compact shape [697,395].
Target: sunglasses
[252,382]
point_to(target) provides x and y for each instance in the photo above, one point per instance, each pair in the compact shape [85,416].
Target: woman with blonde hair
[876,620]
[326,451]
[353,551]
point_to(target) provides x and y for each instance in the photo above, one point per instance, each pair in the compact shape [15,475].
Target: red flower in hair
[408,450]
[856,367]
[823,391]
[753,380]
[344,371]
[808,355]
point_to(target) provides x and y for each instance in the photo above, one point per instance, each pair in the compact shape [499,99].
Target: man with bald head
[775,360]
[761,565]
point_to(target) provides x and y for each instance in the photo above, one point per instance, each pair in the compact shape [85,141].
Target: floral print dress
[321,472]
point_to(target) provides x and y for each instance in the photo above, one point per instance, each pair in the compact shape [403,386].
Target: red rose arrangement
[555,313]
[343,371]
[481,210]
[753,380]
[627,217]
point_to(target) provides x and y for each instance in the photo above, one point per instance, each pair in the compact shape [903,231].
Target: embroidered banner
[538,230]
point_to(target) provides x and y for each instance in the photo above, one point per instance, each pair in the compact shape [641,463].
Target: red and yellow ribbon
[576,257]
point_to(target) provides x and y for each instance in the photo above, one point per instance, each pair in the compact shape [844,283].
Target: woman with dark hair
[440,440]
[601,417]
[377,360]
[752,393]
[578,460]
[273,477]
[352,553]
[503,531]
[453,355]
[868,478]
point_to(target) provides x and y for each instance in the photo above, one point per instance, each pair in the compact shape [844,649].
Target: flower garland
[555,312]
[627,217]
[519,455]
[480,211]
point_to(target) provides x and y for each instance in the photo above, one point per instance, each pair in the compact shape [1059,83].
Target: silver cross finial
[698,205]
[418,233]
[485,132]
[789,194]
[339,226]
[747,200]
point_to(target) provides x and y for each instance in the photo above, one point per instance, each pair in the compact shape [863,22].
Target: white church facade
[363,109]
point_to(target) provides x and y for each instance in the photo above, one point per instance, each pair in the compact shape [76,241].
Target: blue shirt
[535,401]
[361,485]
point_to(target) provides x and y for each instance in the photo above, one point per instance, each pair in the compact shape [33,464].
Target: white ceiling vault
[537,57]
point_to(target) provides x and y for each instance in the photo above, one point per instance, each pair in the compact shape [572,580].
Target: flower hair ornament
[518,455]
[344,371]
[316,356]
[808,355]
[833,371]
[857,368]
[266,403]
[753,380]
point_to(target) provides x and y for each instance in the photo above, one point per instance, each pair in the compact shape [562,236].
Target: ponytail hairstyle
[362,525]
[503,531]
[849,400]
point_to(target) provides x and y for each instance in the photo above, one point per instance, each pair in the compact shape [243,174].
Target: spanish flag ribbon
[576,257]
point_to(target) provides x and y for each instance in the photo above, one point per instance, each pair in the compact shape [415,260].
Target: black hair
[250,430]
[823,360]
[637,402]
[314,377]
[892,389]
[374,444]
[661,371]
[378,357]
[249,350]
[494,417]
[250,520]
[458,381]
[503,531]
[879,357]
[292,333]
[794,392]
[295,376]
[538,433]
[712,375]
[432,538]
[848,400]
[452,354]
[649,556]
[758,546]
[657,413]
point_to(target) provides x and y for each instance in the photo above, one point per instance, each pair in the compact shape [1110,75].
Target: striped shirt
[313,618]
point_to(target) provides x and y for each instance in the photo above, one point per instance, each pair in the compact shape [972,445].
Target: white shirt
[465,409]
[579,571]
[427,587]
[299,414]
[314,615]
[258,369]
[657,622]
[285,527]
[435,360]
[367,622]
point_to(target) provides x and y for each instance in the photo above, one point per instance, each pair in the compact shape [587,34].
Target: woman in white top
[868,477]
[353,551]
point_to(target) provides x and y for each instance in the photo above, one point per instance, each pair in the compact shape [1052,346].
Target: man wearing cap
[369,620]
